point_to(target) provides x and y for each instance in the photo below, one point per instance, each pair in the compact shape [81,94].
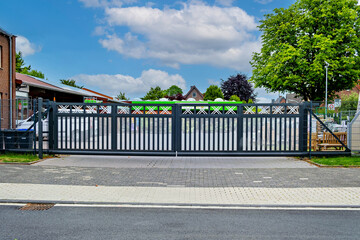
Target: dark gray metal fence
[182,129]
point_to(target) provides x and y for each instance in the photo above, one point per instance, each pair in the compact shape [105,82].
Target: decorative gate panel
[183,129]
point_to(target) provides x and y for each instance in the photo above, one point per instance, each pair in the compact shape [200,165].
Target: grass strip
[353,161]
[18,158]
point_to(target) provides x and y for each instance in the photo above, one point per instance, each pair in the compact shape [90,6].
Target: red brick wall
[198,96]
[4,78]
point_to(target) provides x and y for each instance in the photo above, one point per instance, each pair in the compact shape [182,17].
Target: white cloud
[226,3]
[195,34]
[25,46]
[99,31]
[213,82]
[113,84]
[265,97]
[106,3]
[264,1]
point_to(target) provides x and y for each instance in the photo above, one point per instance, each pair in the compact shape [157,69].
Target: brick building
[7,77]
[194,93]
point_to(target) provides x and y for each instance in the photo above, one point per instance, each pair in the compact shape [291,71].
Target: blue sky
[132,45]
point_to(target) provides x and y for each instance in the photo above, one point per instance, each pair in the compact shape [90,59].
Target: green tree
[234,98]
[154,94]
[349,102]
[34,73]
[212,93]
[121,96]
[238,85]
[173,90]
[70,82]
[297,41]
[20,63]
[21,68]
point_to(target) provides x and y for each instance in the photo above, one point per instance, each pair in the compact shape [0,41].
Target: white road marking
[304,208]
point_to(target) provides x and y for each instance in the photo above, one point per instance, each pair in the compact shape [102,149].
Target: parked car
[29,124]
[86,124]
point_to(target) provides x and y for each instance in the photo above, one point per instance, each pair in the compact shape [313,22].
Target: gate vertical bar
[190,135]
[176,129]
[204,134]
[34,115]
[113,127]
[303,128]
[139,133]
[266,133]
[40,103]
[158,132]
[349,127]
[285,130]
[56,126]
[70,123]
[162,134]
[51,126]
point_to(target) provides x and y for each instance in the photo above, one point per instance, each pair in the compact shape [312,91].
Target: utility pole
[326,88]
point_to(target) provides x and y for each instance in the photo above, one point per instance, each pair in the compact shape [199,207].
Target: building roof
[292,98]
[192,88]
[92,91]
[6,33]
[36,82]
[279,99]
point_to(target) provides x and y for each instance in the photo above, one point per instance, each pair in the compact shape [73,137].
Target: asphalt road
[156,223]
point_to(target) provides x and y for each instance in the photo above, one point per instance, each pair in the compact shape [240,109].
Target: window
[194,94]
[0,56]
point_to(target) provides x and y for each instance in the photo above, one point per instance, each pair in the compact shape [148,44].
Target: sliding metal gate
[182,129]
[246,129]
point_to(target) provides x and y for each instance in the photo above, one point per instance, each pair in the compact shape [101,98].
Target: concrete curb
[181,205]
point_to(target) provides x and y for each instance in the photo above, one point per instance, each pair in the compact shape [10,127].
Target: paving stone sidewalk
[187,177]
[160,181]
[349,197]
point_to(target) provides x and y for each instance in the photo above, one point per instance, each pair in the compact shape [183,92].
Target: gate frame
[304,110]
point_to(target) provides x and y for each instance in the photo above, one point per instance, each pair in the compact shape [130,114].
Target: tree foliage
[213,92]
[297,41]
[34,73]
[70,82]
[20,63]
[177,97]
[173,91]
[154,94]
[234,98]
[238,85]
[121,96]
[349,102]
[21,68]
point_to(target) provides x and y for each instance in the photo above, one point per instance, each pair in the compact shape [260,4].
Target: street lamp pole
[326,88]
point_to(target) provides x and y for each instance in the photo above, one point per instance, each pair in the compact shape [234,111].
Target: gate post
[176,128]
[303,131]
[114,127]
[240,129]
[40,124]
[51,126]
